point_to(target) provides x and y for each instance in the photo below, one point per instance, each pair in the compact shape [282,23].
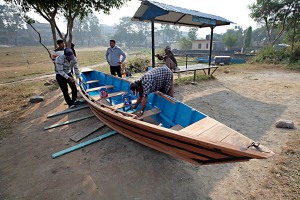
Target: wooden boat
[167,124]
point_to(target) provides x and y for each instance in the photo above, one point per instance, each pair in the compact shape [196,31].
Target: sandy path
[119,168]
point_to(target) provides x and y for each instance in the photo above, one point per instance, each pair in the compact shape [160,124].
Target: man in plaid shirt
[157,79]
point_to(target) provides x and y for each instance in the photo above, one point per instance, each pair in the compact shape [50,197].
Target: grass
[26,62]
[188,79]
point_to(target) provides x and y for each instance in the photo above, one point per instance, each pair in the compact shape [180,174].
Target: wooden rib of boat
[168,125]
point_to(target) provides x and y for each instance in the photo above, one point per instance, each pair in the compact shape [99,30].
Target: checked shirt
[157,79]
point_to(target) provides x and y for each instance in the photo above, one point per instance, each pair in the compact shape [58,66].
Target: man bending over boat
[157,79]
[63,66]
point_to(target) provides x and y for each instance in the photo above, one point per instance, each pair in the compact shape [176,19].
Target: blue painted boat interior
[171,114]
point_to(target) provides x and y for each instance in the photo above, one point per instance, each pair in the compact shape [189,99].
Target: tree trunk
[70,27]
[52,25]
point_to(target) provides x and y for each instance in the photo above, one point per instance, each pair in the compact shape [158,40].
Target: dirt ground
[248,100]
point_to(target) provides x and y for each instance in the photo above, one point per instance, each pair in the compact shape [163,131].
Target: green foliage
[185,43]
[87,31]
[275,14]
[70,9]
[248,38]
[132,33]
[10,23]
[230,40]
[192,34]
[169,33]
[138,63]
[272,55]
[295,55]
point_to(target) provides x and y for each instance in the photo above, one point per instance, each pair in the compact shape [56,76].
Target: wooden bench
[149,113]
[99,88]
[114,94]
[195,68]
[92,81]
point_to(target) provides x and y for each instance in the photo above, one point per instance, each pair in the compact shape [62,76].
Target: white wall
[201,45]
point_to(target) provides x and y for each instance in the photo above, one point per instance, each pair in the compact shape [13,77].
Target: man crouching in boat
[157,79]
[63,66]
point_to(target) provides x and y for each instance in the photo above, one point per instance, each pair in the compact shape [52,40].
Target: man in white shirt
[63,66]
[113,54]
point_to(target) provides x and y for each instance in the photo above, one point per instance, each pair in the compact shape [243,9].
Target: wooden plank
[83,144]
[86,132]
[115,124]
[217,133]
[92,81]
[99,88]
[121,105]
[177,127]
[68,122]
[236,138]
[67,111]
[149,113]
[200,126]
[113,95]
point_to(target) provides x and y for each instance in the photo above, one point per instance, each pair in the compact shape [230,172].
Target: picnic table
[195,68]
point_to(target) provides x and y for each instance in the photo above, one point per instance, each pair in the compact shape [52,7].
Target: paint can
[103,93]
[127,100]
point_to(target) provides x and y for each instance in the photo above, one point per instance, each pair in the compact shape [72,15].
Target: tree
[185,43]
[192,33]
[133,33]
[87,31]
[259,36]
[70,9]
[230,40]
[248,38]
[10,23]
[169,33]
[274,14]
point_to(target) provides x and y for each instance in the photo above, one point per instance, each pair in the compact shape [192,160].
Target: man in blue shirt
[113,54]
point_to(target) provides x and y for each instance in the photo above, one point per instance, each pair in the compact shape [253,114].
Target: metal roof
[163,13]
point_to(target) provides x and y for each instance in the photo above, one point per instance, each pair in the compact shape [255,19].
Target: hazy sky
[236,11]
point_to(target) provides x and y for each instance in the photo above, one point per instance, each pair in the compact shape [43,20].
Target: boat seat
[114,94]
[92,81]
[149,113]
[99,88]
[177,127]
[121,105]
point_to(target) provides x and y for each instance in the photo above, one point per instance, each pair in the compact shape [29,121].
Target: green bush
[271,55]
[295,55]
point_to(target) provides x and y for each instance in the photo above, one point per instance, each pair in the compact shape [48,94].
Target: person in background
[64,77]
[72,47]
[168,58]
[113,56]
[157,79]
[59,50]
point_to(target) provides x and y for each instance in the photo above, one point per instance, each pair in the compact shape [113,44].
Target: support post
[210,48]
[153,43]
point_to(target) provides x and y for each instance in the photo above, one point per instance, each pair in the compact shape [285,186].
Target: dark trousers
[63,84]
[114,69]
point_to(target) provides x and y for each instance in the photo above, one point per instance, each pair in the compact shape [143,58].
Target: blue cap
[69,54]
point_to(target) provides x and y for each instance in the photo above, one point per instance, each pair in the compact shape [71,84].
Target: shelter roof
[163,13]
